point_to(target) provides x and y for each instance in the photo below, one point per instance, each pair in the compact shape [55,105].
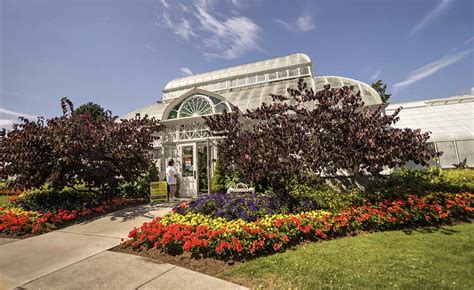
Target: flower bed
[204,235]
[248,207]
[9,191]
[17,222]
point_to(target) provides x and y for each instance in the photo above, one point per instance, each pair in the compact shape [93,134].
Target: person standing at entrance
[172,178]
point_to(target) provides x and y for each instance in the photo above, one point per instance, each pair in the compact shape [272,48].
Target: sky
[121,53]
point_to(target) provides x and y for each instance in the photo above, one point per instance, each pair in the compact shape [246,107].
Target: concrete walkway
[77,257]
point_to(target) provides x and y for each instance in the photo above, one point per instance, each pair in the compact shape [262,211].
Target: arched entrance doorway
[186,139]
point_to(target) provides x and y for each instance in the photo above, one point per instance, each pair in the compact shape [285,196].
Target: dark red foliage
[72,149]
[311,134]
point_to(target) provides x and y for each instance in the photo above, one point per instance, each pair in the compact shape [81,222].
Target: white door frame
[188,186]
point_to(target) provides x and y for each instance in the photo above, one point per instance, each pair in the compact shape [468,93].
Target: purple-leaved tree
[76,148]
[307,135]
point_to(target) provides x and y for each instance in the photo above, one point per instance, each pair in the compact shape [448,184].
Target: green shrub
[326,197]
[153,174]
[461,177]
[218,180]
[406,181]
[47,199]
[139,188]
[232,179]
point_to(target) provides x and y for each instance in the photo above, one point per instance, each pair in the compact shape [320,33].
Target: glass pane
[293,72]
[252,80]
[169,153]
[466,151]
[304,70]
[173,114]
[282,74]
[261,78]
[223,85]
[195,106]
[187,161]
[449,156]
[241,82]
[272,76]
[221,108]
[214,100]
[157,154]
[233,83]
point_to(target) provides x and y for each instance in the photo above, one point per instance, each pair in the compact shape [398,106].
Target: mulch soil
[208,266]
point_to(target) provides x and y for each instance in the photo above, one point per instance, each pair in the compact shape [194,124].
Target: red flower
[277,246]
[187,246]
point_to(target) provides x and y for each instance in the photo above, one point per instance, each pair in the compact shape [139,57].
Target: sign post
[159,191]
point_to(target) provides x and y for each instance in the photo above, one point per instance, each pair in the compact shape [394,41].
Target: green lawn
[4,199]
[441,258]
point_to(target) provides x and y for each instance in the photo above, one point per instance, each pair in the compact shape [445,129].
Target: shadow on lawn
[432,229]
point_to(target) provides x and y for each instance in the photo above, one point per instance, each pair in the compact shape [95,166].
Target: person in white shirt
[172,178]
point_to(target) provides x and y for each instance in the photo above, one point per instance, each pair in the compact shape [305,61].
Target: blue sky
[120,54]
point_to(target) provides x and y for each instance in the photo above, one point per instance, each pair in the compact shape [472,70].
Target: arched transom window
[195,106]
[198,105]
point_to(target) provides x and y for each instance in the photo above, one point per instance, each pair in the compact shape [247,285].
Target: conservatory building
[245,87]
[450,122]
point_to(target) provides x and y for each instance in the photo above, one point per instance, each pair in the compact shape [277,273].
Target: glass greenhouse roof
[369,95]
[447,119]
[251,97]
[275,64]
[155,110]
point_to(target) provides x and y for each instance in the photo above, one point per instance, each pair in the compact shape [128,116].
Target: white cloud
[236,3]
[452,50]
[149,47]
[3,92]
[430,16]
[431,68]
[303,23]
[186,71]
[16,114]
[469,40]
[8,121]
[179,26]
[285,24]
[232,37]
[165,4]
[226,37]
[375,75]
[6,124]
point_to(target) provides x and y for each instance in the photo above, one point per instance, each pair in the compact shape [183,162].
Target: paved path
[4,241]
[77,257]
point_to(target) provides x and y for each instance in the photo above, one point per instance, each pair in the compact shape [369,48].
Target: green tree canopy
[381,88]
[94,110]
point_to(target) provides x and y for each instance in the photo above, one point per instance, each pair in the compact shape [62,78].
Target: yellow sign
[159,190]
